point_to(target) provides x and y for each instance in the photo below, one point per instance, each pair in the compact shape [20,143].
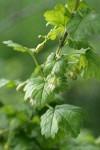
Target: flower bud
[39,47]
[40,36]
[20,86]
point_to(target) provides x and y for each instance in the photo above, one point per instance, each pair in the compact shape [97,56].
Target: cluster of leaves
[19,130]
[72,23]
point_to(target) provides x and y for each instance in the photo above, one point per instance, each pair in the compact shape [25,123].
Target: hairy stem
[62,41]
[64,36]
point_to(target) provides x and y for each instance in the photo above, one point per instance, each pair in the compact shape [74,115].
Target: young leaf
[90,63]
[83,7]
[70,4]
[55,65]
[65,117]
[18,47]
[59,16]
[54,33]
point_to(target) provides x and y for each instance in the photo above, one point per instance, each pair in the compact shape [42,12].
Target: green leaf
[70,4]
[79,27]
[83,62]
[49,124]
[81,7]
[59,16]
[8,83]
[55,65]
[49,63]
[90,63]
[39,91]
[56,68]
[65,117]
[54,33]
[42,90]
[84,8]
[18,47]
[78,44]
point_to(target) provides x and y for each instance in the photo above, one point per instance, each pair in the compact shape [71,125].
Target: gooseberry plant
[72,24]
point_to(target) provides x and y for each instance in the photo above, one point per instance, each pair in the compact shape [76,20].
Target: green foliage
[77,45]
[54,33]
[55,65]
[39,91]
[59,16]
[89,63]
[65,117]
[18,47]
[72,23]
[8,83]
[84,141]
[81,26]
[20,126]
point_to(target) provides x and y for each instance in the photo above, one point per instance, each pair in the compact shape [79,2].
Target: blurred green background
[22,21]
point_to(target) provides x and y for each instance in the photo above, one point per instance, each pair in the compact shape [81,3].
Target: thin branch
[64,36]
[35,61]
[62,41]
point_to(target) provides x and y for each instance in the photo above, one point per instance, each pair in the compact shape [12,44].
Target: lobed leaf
[39,91]
[59,16]
[54,33]
[79,27]
[18,47]
[65,117]
[90,63]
